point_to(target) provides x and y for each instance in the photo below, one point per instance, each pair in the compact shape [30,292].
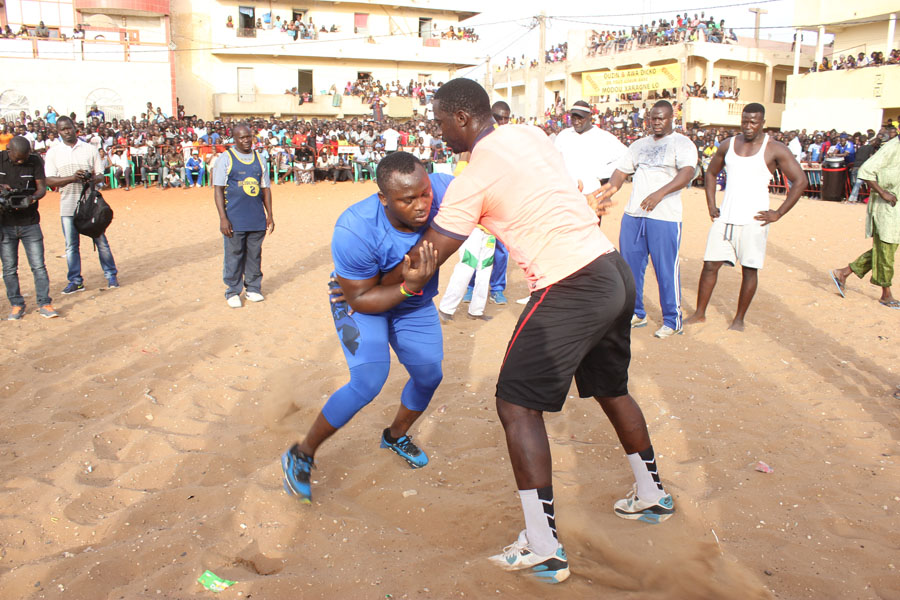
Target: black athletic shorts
[578,326]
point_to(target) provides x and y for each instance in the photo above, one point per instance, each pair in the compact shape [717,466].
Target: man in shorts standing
[740,229]
[577,322]
[663,164]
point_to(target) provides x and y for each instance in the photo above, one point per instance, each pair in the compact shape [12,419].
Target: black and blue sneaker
[296,467]
[406,449]
[633,508]
[73,287]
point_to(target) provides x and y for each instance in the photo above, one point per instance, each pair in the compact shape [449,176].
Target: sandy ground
[140,432]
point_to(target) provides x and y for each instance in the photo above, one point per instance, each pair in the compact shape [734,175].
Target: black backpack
[92,214]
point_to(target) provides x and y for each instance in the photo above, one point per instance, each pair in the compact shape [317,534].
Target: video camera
[14,199]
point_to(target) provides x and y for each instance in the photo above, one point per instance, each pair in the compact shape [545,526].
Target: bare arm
[682,180]
[377,294]
[885,195]
[444,246]
[224,223]
[788,164]
[267,204]
[712,174]
[40,190]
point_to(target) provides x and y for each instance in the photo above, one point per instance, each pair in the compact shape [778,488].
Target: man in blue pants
[663,164]
[370,238]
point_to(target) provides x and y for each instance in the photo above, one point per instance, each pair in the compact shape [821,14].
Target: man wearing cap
[194,168]
[590,153]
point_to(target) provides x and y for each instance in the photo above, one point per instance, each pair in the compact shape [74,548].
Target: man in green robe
[882,174]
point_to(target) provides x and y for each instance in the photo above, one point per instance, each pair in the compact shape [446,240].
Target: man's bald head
[19,146]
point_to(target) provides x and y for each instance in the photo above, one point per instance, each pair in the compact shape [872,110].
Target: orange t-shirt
[517,186]
[4,140]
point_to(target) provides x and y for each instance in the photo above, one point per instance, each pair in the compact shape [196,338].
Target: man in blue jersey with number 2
[370,238]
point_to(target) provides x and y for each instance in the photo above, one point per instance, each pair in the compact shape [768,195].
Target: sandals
[890,303]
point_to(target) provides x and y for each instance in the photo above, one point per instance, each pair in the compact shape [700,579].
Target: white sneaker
[254,297]
[517,556]
[666,331]
[523,300]
[637,321]
[632,507]
[234,301]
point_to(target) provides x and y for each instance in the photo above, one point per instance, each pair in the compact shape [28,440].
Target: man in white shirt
[121,168]
[590,153]
[390,137]
[68,165]
[663,164]
[795,147]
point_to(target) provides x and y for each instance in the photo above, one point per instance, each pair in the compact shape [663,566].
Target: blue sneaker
[406,449]
[498,298]
[113,282]
[73,287]
[296,467]
[518,556]
[468,295]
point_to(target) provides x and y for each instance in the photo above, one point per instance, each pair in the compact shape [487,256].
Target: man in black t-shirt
[20,170]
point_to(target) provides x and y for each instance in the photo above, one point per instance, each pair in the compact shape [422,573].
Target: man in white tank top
[740,228]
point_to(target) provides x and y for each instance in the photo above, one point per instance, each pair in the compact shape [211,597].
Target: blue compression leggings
[366,381]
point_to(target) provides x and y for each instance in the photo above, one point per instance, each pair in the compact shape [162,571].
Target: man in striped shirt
[68,167]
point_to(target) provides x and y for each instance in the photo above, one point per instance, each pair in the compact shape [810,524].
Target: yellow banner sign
[628,81]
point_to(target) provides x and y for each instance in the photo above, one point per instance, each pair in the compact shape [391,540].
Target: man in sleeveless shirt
[740,228]
[244,201]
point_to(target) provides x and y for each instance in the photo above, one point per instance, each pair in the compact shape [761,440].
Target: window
[246,89]
[727,82]
[246,21]
[780,92]
[298,14]
[363,76]
[361,23]
[304,81]
[424,27]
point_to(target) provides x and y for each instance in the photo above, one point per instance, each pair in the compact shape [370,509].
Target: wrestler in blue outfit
[371,238]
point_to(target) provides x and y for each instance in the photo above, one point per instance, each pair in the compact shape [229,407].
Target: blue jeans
[73,254]
[243,262]
[33,241]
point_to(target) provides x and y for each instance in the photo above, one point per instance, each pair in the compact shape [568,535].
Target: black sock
[388,437]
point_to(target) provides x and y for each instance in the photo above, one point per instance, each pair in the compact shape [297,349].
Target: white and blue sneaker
[632,507]
[406,449]
[518,556]
[296,467]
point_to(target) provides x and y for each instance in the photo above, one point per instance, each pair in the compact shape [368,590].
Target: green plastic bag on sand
[213,582]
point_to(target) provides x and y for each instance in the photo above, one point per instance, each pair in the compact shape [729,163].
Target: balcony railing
[83,50]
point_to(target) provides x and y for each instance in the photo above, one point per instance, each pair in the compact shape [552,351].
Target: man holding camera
[22,184]
[69,166]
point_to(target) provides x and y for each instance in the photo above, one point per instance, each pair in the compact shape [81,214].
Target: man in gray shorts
[739,230]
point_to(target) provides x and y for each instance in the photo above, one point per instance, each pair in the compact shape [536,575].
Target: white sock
[643,465]
[540,523]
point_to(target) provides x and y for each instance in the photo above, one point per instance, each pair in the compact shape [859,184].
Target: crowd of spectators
[460,33]
[41,31]
[680,29]
[843,63]
[557,53]
[373,91]
[155,149]
[179,151]
[699,90]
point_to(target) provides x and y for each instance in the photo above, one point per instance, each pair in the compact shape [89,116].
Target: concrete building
[846,100]
[246,68]
[759,69]
[122,63]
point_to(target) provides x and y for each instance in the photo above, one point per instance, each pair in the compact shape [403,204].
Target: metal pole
[798,41]
[542,65]
[892,23]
